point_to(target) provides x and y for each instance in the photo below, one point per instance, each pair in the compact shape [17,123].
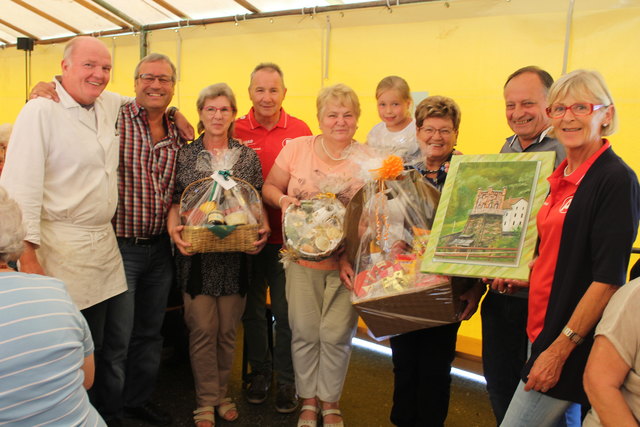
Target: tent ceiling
[44,20]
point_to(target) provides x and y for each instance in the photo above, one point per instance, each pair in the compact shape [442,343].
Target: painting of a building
[515,213]
[485,221]
[492,216]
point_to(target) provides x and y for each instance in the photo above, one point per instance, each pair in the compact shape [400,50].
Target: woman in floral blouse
[213,284]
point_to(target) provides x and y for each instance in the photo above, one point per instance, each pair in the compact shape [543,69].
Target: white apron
[85,258]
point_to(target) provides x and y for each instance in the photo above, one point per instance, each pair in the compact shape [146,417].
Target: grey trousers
[323,322]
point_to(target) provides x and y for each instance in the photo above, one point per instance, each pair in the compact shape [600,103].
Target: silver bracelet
[280,199]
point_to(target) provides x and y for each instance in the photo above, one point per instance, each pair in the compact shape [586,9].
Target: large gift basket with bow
[220,213]
[388,223]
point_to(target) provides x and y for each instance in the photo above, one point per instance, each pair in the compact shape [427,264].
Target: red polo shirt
[550,220]
[267,145]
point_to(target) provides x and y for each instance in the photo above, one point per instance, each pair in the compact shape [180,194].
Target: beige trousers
[323,322]
[212,323]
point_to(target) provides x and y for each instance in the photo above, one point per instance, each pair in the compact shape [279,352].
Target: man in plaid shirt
[149,143]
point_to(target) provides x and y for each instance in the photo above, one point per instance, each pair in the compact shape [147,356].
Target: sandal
[204,414]
[308,423]
[333,411]
[227,405]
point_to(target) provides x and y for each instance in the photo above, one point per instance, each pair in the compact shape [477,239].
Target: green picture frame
[485,225]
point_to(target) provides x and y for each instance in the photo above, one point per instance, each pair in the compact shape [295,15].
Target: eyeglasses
[150,78]
[213,110]
[444,132]
[557,111]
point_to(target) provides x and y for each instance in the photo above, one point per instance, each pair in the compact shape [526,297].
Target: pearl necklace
[565,171]
[338,159]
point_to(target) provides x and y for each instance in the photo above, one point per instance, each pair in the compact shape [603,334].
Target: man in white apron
[61,169]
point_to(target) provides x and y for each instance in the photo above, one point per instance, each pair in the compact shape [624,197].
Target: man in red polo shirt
[266,129]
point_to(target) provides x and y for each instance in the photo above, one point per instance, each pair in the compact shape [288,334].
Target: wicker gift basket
[220,213]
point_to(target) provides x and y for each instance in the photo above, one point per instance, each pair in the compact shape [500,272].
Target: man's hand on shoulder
[29,261]
[185,129]
[44,90]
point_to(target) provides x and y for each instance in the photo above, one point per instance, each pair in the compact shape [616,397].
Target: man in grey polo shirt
[504,317]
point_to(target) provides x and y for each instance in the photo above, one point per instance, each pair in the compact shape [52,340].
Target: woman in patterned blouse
[213,284]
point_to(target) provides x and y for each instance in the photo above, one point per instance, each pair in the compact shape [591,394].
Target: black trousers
[422,381]
[504,347]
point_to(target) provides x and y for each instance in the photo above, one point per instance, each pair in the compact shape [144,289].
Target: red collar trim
[282,122]
[582,170]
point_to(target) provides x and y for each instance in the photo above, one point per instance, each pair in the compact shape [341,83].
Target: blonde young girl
[397,131]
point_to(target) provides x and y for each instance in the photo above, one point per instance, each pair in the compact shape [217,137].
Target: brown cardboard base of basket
[202,240]
[415,309]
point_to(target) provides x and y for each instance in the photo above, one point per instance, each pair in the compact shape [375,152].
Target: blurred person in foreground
[611,378]
[587,226]
[46,351]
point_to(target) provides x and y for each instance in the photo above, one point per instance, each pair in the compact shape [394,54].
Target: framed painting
[485,225]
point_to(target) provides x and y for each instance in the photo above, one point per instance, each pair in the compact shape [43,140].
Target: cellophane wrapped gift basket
[388,225]
[220,213]
[314,230]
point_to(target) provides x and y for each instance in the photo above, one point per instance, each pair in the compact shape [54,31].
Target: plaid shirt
[146,174]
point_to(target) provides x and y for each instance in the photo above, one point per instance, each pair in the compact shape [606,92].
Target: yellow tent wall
[463,49]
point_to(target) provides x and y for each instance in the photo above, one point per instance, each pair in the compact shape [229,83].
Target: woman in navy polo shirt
[587,226]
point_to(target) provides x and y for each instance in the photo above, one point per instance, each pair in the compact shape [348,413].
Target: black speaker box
[25,43]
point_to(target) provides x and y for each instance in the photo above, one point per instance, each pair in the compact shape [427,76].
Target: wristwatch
[572,335]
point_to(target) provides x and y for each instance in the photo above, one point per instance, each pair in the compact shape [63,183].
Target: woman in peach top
[321,317]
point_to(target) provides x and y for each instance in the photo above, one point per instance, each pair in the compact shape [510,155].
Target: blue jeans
[132,345]
[531,408]
[268,272]
[504,347]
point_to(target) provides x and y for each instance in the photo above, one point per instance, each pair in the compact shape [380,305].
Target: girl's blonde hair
[394,82]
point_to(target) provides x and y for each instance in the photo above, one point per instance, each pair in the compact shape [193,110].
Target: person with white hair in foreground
[46,355]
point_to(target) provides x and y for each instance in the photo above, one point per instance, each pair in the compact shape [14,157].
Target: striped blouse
[43,343]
